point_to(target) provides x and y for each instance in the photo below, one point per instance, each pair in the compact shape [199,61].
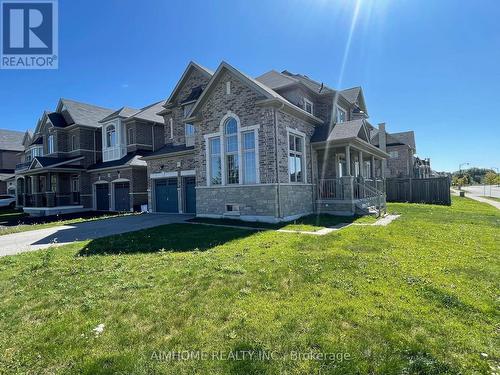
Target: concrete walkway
[42,238]
[472,194]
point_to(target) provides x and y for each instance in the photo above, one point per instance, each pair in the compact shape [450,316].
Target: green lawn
[420,296]
[492,198]
[9,225]
[311,223]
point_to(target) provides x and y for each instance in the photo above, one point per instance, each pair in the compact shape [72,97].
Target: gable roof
[46,162]
[317,87]
[276,80]
[149,113]
[192,65]
[83,113]
[11,140]
[123,112]
[355,95]
[266,92]
[343,130]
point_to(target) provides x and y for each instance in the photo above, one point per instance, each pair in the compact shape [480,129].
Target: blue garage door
[166,195]
[102,197]
[190,194]
[122,196]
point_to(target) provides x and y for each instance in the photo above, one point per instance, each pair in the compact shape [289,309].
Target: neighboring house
[11,147]
[401,147]
[272,148]
[119,182]
[53,178]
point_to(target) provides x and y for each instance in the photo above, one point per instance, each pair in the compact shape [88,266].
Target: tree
[490,178]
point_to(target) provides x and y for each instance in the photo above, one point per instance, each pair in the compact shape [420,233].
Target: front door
[102,197]
[122,196]
[166,195]
[190,194]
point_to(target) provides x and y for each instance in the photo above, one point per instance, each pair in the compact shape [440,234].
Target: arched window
[110,136]
[231,144]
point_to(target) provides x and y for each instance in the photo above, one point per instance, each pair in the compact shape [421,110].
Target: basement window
[232,208]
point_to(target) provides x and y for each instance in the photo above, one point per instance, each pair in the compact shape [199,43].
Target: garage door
[190,194]
[166,195]
[122,196]
[102,197]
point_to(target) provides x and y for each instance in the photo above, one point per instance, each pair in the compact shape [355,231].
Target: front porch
[349,178]
[49,193]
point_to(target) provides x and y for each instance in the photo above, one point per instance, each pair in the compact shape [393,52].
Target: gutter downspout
[278,186]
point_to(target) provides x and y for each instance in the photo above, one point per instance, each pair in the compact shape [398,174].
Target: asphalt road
[483,191]
[42,238]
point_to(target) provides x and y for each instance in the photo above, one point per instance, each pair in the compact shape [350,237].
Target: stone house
[401,147]
[271,149]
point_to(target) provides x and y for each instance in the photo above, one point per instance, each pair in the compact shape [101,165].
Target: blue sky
[428,66]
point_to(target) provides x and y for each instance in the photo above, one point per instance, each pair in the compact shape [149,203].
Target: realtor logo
[29,35]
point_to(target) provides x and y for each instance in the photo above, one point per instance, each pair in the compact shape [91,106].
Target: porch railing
[330,189]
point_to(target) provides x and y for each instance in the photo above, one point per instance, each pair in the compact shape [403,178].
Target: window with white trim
[308,106]
[171,122]
[341,115]
[53,182]
[50,144]
[249,157]
[73,142]
[189,133]
[110,136]
[231,151]
[215,161]
[296,157]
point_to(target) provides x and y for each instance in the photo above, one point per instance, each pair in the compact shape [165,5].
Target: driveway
[42,238]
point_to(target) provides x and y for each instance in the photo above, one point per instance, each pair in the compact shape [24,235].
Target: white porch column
[348,160]
[372,166]
[360,162]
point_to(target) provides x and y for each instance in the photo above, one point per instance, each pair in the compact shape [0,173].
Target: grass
[310,223]
[13,221]
[492,198]
[419,296]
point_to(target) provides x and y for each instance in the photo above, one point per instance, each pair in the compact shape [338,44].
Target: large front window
[231,148]
[249,162]
[110,136]
[295,158]
[215,161]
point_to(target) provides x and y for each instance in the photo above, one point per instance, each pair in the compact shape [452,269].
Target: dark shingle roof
[149,113]
[58,120]
[11,140]
[351,94]
[85,114]
[37,141]
[123,112]
[169,149]
[48,161]
[132,159]
[344,130]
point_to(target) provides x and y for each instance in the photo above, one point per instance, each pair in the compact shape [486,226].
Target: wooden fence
[434,190]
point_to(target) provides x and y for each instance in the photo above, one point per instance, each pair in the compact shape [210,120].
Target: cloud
[124,85]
